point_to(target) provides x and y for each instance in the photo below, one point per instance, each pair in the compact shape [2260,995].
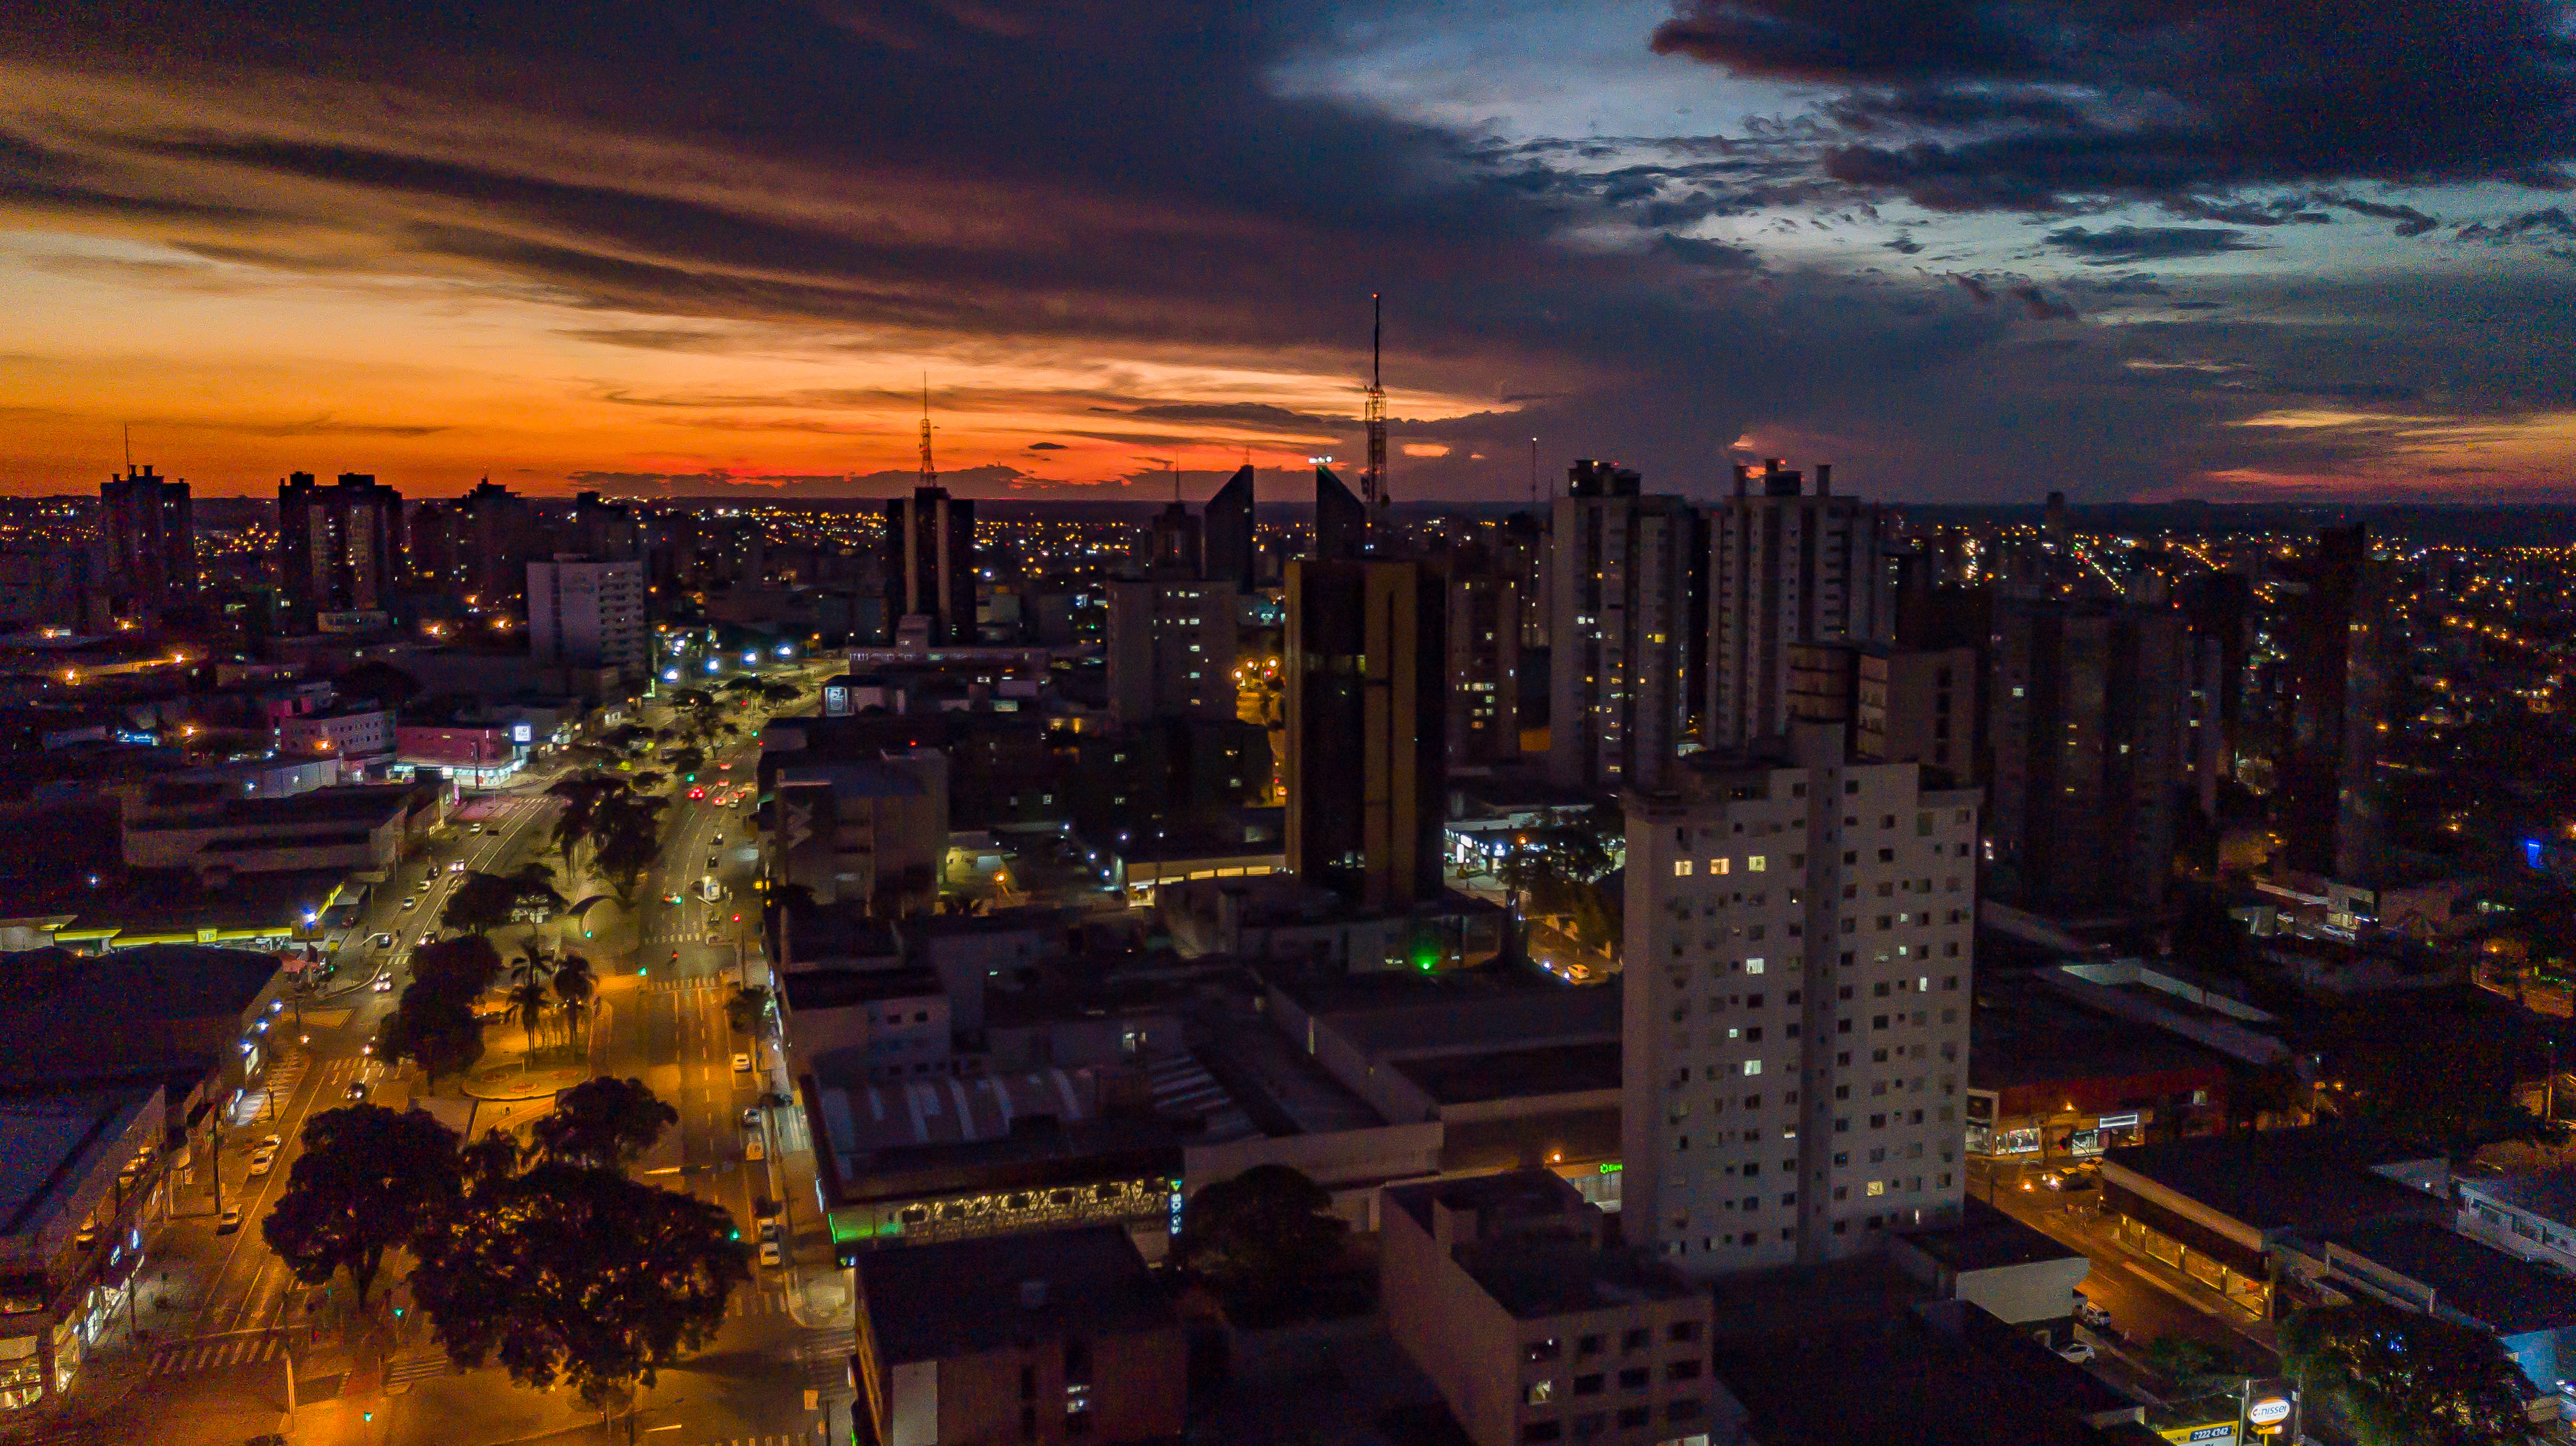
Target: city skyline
[1974,262]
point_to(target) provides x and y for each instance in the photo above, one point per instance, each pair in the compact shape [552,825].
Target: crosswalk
[1183,1086]
[404,1370]
[276,1087]
[686,986]
[823,1356]
[759,1302]
[185,1357]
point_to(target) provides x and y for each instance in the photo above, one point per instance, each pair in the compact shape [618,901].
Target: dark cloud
[1250,413]
[2129,245]
[1046,446]
[1715,255]
[2410,222]
[988,481]
[2179,98]
[2040,305]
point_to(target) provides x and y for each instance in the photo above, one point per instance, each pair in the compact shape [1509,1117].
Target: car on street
[2078,1352]
[724,767]
[771,1255]
[751,1117]
[262,1163]
[428,936]
[357,1091]
[719,838]
[742,1064]
[411,901]
[772,1230]
[754,1148]
[2092,1315]
[382,941]
[269,1142]
[230,1222]
[670,898]
[477,828]
[384,984]
[456,866]
[697,793]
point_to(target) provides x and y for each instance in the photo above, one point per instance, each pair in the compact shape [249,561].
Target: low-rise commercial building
[80,1189]
[1504,1290]
[2426,1267]
[2215,1208]
[1053,1337]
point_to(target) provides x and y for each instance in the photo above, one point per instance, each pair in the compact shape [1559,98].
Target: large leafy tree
[569,1275]
[629,840]
[1261,1238]
[433,1028]
[604,1122]
[369,1179]
[745,1007]
[481,903]
[461,967]
[2402,1379]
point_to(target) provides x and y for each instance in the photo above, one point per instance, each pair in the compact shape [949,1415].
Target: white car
[456,866]
[384,984]
[382,941]
[262,1163]
[2078,1352]
[411,901]
[2091,1314]
[742,1064]
[771,1255]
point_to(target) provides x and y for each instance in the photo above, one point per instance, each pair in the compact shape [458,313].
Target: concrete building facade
[1786,567]
[1171,649]
[1619,614]
[589,615]
[1800,938]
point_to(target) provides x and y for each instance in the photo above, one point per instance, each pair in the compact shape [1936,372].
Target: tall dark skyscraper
[337,546]
[1620,635]
[1227,525]
[1341,519]
[149,526]
[2087,704]
[1367,710]
[2338,677]
[1786,566]
[930,562]
[497,537]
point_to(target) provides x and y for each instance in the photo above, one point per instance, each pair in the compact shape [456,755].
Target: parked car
[771,1255]
[751,1117]
[2078,1352]
[270,1142]
[230,1222]
[2092,1315]
[772,1230]
[411,901]
[262,1163]
[742,1064]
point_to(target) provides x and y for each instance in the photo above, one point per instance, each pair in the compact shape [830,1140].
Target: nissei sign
[2270,1411]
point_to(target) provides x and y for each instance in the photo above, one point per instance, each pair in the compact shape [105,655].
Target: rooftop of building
[2318,1177]
[371,804]
[1476,1011]
[967,1297]
[2477,1280]
[1988,1239]
[51,1140]
[1942,1374]
[1533,1277]
[1032,1152]
[46,989]
[1548,1069]
[2549,1194]
[2023,1034]
[843,988]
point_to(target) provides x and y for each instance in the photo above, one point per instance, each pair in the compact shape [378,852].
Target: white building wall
[1800,940]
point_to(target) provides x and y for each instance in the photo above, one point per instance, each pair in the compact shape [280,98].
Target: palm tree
[574,986]
[529,1003]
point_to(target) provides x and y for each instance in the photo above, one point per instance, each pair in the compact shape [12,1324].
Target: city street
[221,1319]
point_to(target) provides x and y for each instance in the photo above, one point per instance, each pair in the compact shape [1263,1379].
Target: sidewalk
[818,1289]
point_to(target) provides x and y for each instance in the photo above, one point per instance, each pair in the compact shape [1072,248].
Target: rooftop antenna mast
[1533,473]
[129,447]
[1373,490]
[929,471]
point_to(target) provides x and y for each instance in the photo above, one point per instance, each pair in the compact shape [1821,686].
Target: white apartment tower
[1171,649]
[586,614]
[1618,596]
[1786,567]
[1800,937]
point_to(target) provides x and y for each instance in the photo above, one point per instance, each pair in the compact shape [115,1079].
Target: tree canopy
[434,1028]
[1261,1238]
[578,1276]
[2402,1379]
[604,1122]
[369,1178]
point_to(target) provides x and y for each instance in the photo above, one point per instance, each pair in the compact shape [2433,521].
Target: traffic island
[516,1082]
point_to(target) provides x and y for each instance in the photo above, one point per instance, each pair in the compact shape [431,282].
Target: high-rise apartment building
[930,563]
[1484,662]
[1786,567]
[2339,667]
[589,615]
[149,527]
[338,546]
[2086,705]
[1897,705]
[1619,632]
[1366,710]
[1171,648]
[496,539]
[1800,939]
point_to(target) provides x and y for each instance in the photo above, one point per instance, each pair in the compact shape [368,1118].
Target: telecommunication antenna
[929,471]
[129,447]
[1533,473]
[1373,490]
